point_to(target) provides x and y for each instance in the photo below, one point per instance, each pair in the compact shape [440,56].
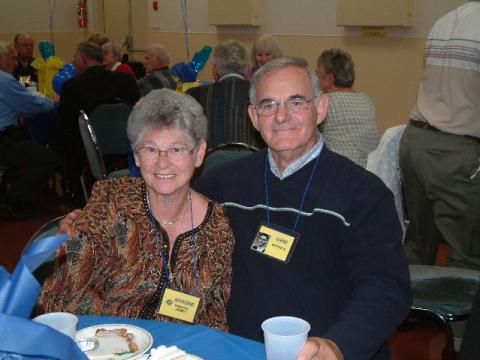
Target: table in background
[198,340]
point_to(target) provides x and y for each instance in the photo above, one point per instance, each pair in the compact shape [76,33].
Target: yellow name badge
[179,305]
[274,243]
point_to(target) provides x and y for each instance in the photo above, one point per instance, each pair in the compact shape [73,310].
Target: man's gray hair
[160,51]
[115,49]
[340,64]
[90,50]
[167,109]
[281,63]
[231,58]
[4,47]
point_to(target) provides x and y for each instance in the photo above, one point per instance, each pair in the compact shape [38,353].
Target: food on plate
[119,340]
[167,353]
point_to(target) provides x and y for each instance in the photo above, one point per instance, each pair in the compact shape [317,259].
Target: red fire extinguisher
[82,14]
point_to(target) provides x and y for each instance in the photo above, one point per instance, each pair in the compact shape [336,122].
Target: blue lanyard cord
[194,241]
[166,269]
[303,196]
[265,180]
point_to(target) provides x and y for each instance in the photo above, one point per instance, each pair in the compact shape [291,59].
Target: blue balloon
[184,72]
[46,49]
[70,69]
[200,58]
[67,72]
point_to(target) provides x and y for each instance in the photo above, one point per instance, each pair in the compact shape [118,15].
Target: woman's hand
[320,349]
[65,225]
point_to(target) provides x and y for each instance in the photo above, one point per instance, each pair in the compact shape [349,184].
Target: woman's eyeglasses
[174,153]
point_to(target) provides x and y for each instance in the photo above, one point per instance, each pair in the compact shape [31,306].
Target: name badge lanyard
[167,274]
[267,198]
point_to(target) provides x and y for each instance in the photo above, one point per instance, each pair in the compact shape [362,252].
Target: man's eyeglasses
[174,153]
[295,105]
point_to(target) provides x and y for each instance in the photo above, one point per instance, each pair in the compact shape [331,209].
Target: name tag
[179,305]
[274,242]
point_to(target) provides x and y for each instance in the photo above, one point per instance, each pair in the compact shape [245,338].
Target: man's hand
[55,98]
[65,225]
[320,349]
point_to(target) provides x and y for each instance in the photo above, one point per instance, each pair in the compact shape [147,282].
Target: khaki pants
[442,197]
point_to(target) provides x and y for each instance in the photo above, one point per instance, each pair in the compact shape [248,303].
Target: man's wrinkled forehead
[271,80]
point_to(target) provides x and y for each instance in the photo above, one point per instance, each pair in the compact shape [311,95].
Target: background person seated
[157,60]
[265,48]
[351,127]
[111,59]
[37,162]
[225,102]
[93,85]
[136,226]
[24,47]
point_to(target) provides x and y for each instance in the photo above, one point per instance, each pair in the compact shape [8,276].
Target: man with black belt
[440,149]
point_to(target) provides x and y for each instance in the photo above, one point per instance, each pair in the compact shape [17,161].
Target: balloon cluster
[188,72]
[68,71]
[46,48]
[47,66]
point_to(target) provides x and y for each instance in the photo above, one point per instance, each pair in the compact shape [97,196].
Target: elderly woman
[351,127]
[111,59]
[140,242]
[264,49]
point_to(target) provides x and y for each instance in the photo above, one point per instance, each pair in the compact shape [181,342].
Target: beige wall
[388,69]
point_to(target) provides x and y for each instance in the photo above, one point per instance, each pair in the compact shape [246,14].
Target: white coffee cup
[63,322]
[284,337]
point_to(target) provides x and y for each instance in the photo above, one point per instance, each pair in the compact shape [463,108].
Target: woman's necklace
[174,221]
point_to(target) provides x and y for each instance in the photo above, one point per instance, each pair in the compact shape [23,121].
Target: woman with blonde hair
[264,49]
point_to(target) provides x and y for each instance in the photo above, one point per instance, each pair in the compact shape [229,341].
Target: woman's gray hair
[231,58]
[115,49]
[267,42]
[340,64]
[167,109]
[281,63]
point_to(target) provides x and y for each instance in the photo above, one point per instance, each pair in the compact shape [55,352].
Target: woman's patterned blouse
[112,264]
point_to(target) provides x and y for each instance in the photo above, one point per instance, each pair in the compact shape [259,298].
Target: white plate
[143,339]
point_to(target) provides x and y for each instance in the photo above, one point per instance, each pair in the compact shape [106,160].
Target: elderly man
[157,60]
[93,85]
[225,102]
[334,255]
[38,162]
[439,151]
[24,46]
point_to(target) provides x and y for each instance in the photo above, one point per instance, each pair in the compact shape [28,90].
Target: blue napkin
[30,339]
[21,338]
[19,292]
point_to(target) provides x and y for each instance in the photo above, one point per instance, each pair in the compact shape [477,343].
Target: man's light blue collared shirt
[299,163]
[15,100]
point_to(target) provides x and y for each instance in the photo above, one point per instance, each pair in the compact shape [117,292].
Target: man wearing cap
[440,149]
